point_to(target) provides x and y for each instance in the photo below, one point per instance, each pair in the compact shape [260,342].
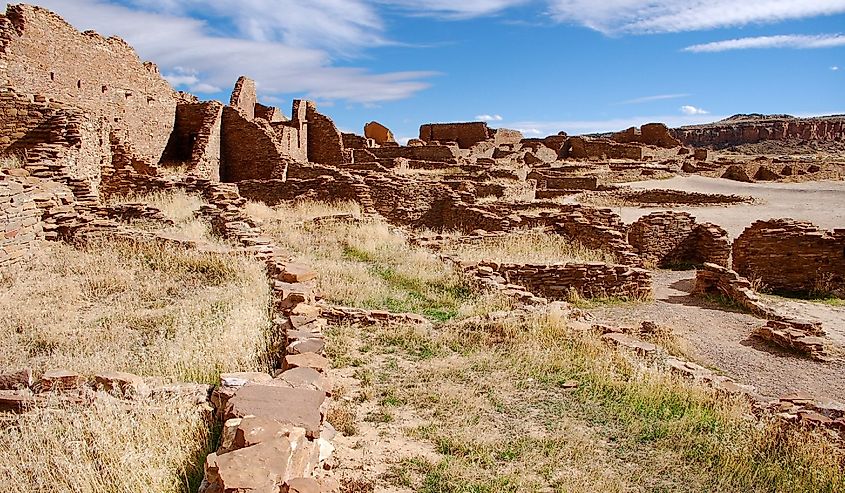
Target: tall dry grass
[181,208]
[144,309]
[531,246]
[365,262]
[109,447]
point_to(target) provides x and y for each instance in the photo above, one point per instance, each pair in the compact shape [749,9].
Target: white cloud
[654,16]
[799,41]
[489,118]
[454,10]
[834,68]
[692,110]
[204,59]
[649,99]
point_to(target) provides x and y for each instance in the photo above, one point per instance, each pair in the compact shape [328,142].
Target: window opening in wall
[105,88]
[52,76]
[79,84]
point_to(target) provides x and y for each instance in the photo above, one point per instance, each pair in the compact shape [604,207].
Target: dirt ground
[719,338]
[822,203]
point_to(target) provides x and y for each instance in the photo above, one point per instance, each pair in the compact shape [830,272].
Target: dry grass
[109,447]
[365,262]
[179,207]
[494,403]
[139,308]
[535,246]
[11,161]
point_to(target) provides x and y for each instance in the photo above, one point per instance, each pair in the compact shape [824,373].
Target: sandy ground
[822,203]
[719,338]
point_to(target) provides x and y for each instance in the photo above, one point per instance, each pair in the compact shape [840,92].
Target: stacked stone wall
[42,54]
[20,223]
[196,139]
[589,280]
[792,256]
[465,134]
[325,143]
[249,150]
[669,239]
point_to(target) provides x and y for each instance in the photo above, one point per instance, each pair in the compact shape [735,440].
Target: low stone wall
[20,223]
[674,238]
[587,148]
[792,256]
[782,329]
[589,280]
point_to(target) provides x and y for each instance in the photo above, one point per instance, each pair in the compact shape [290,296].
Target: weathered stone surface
[121,382]
[61,380]
[630,342]
[21,379]
[305,378]
[294,273]
[749,129]
[379,133]
[302,485]
[307,360]
[298,407]
[239,379]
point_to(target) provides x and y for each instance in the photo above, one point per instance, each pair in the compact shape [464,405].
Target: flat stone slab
[299,407]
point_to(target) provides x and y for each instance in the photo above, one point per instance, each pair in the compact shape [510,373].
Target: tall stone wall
[655,134]
[196,139]
[42,54]
[669,238]
[325,143]
[249,150]
[792,256]
[244,97]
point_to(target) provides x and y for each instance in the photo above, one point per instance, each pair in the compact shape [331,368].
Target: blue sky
[540,66]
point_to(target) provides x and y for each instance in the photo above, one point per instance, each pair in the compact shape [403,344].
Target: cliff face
[750,129]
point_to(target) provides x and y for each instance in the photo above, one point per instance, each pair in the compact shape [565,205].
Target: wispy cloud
[798,41]
[451,9]
[650,99]
[489,118]
[655,16]
[283,55]
[692,110]
[834,68]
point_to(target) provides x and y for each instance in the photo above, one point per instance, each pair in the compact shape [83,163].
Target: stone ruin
[93,122]
[792,256]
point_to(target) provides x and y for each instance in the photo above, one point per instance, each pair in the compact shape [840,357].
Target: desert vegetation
[165,313]
[530,404]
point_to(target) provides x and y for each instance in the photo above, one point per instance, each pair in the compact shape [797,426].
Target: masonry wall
[20,223]
[196,139]
[792,256]
[669,238]
[442,154]
[249,150]
[325,143]
[590,280]
[42,54]
[465,134]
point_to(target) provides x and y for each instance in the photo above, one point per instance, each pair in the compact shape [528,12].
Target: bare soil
[720,338]
[822,203]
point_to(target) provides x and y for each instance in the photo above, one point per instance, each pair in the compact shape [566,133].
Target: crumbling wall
[42,54]
[20,223]
[792,256]
[244,97]
[655,134]
[196,139]
[442,154]
[325,144]
[586,148]
[465,134]
[249,150]
[589,280]
[669,238]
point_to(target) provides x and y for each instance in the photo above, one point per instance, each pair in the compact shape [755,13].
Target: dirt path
[822,203]
[719,338]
